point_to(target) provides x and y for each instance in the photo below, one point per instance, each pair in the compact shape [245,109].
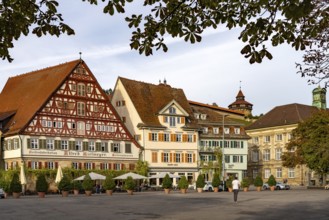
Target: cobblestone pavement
[290,204]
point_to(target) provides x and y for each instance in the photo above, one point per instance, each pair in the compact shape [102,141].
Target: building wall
[265,166]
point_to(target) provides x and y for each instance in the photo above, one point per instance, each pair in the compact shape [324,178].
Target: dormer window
[196,115]
[205,130]
[226,130]
[203,116]
[172,110]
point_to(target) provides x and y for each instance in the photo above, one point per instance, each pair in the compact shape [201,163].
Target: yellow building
[269,136]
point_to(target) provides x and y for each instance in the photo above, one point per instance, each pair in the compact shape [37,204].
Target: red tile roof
[27,93]
[284,115]
[235,112]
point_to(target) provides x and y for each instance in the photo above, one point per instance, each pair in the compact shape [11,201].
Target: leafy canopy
[309,144]
[277,21]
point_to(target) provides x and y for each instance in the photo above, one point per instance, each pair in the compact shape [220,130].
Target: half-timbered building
[61,116]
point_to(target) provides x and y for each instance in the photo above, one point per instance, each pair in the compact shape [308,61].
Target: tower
[241,104]
[319,98]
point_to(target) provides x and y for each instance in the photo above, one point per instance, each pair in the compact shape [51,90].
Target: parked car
[278,186]
[208,187]
[2,193]
[326,186]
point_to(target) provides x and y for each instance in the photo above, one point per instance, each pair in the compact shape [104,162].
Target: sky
[209,72]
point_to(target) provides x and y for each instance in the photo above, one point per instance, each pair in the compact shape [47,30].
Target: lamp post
[223,154]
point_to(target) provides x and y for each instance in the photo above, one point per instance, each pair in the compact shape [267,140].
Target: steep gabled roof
[150,99]
[240,99]
[284,115]
[25,94]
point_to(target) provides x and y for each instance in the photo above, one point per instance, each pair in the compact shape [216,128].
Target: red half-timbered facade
[61,116]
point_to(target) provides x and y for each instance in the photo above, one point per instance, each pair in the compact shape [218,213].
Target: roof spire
[240,84]
[80,53]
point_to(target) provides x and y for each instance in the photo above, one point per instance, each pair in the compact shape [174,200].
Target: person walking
[236,185]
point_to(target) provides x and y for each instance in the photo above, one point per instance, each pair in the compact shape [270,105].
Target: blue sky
[208,72]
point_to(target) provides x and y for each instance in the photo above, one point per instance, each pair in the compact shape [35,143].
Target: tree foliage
[278,21]
[309,144]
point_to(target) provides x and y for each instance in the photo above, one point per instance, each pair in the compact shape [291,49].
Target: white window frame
[34,143]
[50,144]
[279,172]
[255,155]
[189,158]
[279,137]
[91,146]
[267,139]
[236,130]
[267,155]
[267,173]
[115,148]
[216,130]
[64,144]
[291,173]
[166,157]
[166,137]
[81,89]
[81,109]
[278,153]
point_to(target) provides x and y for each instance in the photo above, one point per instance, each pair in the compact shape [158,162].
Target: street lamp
[223,154]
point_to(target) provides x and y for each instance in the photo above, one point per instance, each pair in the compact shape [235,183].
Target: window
[59,124]
[278,172]
[128,148]
[178,137]
[226,130]
[236,130]
[267,139]
[154,157]
[50,144]
[165,119]
[117,166]
[178,120]
[91,146]
[106,166]
[34,143]
[237,159]
[103,146]
[81,89]
[291,172]
[279,137]
[34,165]
[172,110]
[227,159]
[289,137]
[9,144]
[80,128]
[177,158]
[15,143]
[166,157]
[278,153]
[255,140]
[78,145]
[205,130]
[266,155]
[154,137]
[190,138]
[81,108]
[115,147]
[254,173]
[216,130]
[267,173]
[75,165]
[64,145]
[254,155]
[88,166]
[166,137]
[189,158]
[51,165]
[172,121]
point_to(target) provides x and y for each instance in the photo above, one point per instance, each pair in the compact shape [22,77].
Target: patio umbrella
[59,174]
[162,175]
[133,175]
[93,176]
[22,176]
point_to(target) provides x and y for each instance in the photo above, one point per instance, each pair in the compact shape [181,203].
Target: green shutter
[28,143]
[85,146]
[98,146]
[57,144]
[71,145]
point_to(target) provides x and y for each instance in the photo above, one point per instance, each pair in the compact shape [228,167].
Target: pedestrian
[236,185]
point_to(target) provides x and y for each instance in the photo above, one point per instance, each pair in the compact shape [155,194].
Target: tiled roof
[240,99]
[149,99]
[216,108]
[27,93]
[284,115]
